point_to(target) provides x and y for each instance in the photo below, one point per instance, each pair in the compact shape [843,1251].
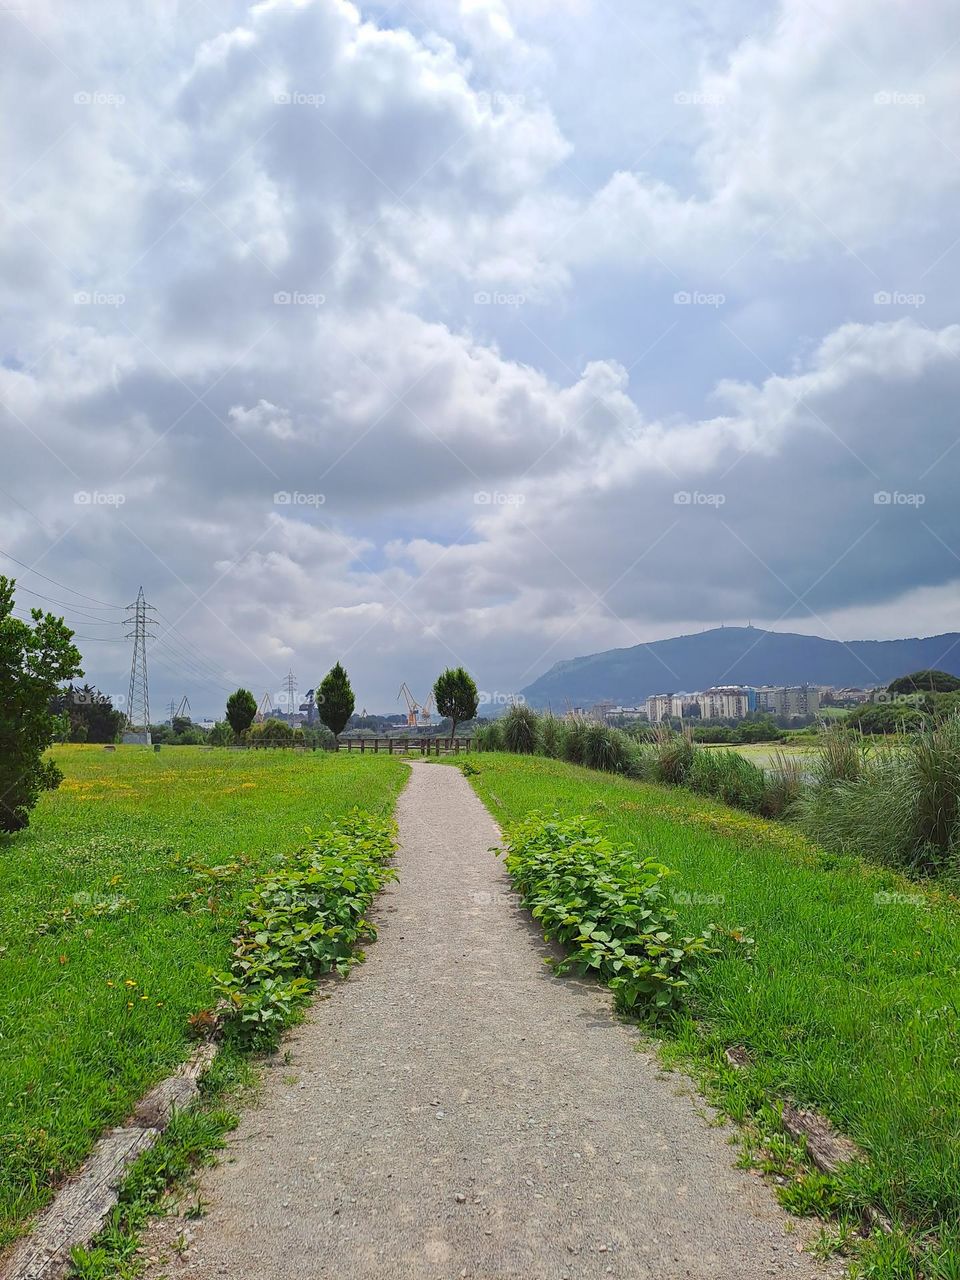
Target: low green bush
[575,741]
[519,730]
[729,777]
[551,737]
[898,805]
[605,748]
[487,737]
[673,756]
[785,782]
[607,906]
[305,920]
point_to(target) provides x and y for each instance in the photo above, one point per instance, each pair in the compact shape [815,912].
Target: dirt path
[455,1110]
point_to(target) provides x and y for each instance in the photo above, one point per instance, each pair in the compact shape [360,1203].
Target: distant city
[732,702]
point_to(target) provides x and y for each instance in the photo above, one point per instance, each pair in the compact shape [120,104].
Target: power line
[181,641]
[75,608]
[29,568]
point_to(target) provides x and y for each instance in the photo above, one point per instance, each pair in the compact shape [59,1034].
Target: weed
[608,907]
[305,919]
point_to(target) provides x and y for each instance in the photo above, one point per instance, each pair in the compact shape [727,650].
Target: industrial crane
[417,713]
[413,707]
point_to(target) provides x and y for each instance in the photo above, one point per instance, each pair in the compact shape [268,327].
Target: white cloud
[360,265]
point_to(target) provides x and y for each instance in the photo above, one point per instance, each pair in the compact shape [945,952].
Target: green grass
[100,968]
[849,999]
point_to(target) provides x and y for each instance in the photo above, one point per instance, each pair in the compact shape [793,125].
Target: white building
[725,702]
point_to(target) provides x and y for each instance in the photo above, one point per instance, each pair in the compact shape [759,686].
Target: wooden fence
[406,746]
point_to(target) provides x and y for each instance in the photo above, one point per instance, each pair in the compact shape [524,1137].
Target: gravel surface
[455,1110]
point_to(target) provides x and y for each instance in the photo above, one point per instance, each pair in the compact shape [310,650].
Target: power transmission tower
[291,694]
[171,711]
[138,696]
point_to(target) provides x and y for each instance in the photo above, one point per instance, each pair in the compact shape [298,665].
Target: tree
[272,733]
[335,700]
[456,696]
[90,715]
[221,735]
[925,682]
[241,708]
[35,658]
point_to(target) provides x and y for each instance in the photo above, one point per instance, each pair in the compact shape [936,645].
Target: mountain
[735,655]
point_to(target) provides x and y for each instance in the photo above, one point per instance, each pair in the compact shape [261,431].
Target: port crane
[417,713]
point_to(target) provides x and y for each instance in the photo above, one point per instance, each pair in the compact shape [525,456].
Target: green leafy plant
[305,920]
[608,907]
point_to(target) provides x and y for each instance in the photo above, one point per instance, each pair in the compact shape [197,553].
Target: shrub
[271,733]
[488,737]
[932,766]
[673,756]
[575,741]
[866,816]
[519,730]
[605,748]
[729,777]
[840,758]
[607,905]
[552,732]
[785,782]
[303,921]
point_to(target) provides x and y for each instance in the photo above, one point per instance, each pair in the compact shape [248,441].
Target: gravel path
[455,1110]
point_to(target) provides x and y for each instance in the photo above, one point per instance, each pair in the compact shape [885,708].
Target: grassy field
[848,999]
[100,967]
[763,753]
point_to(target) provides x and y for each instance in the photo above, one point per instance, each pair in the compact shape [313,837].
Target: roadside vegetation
[106,951]
[895,801]
[843,998]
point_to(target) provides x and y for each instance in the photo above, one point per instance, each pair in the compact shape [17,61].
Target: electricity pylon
[291,683]
[138,695]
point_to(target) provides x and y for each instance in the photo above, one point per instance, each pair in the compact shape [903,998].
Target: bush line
[304,920]
[607,907]
[896,804]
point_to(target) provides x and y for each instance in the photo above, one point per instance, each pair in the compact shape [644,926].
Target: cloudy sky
[480,331]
